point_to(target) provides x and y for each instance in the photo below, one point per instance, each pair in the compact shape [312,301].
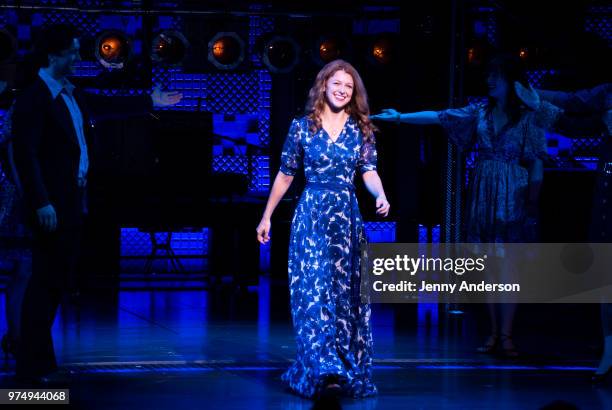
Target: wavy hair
[357,108]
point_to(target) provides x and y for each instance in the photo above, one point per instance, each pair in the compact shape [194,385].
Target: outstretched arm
[419,117]
[282,182]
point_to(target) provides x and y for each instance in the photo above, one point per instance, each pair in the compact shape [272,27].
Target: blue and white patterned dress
[496,206]
[332,326]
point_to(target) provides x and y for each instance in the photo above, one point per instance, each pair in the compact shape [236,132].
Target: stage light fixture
[331,48]
[169,47]
[113,49]
[8,46]
[524,53]
[280,54]
[383,50]
[226,50]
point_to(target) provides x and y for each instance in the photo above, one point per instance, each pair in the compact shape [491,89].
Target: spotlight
[383,50]
[524,53]
[226,50]
[331,48]
[8,46]
[113,49]
[280,54]
[169,47]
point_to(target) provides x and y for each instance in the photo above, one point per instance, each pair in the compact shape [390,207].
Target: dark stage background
[184,187]
[176,196]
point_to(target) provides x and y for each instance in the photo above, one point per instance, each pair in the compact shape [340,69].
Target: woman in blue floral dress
[332,326]
[510,144]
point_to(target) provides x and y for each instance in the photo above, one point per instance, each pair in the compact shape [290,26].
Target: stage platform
[226,348]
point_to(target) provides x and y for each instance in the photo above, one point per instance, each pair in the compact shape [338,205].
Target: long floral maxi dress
[496,206]
[332,326]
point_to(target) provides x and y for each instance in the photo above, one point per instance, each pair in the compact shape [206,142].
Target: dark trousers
[54,258]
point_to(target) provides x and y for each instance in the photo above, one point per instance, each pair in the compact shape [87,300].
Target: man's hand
[165,98]
[47,219]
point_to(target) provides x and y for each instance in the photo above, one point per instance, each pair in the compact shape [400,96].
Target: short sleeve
[367,157]
[547,115]
[291,157]
[460,124]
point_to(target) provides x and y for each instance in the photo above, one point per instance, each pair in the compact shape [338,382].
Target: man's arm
[27,121]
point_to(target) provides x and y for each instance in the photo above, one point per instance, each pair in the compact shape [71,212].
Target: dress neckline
[496,136]
[342,131]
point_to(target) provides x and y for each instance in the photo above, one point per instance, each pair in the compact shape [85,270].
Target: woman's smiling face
[339,90]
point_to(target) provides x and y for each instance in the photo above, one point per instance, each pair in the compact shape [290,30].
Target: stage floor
[226,348]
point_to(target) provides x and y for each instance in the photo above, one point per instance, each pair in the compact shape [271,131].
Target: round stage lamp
[169,47]
[383,50]
[226,50]
[331,48]
[8,46]
[281,54]
[112,49]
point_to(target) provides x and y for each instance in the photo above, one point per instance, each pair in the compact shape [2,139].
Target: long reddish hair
[357,108]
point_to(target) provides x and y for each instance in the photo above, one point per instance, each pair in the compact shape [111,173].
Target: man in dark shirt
[52,127]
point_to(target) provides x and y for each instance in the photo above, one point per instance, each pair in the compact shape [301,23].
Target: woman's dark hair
[511,69]
[53,40]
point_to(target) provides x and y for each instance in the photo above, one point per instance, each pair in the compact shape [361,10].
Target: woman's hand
[263,231]
[382,206]
[529,96]
[388,114]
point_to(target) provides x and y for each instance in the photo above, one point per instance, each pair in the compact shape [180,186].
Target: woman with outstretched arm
[510,143]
